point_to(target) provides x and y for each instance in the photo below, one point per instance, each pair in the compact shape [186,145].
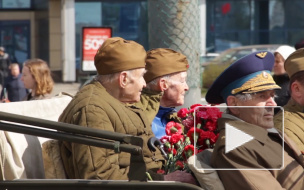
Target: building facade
[51,29]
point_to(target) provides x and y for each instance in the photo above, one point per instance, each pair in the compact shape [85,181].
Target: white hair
[245,97]
[104,79]
[154,82]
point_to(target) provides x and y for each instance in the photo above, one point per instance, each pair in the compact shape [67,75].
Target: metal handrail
[78,134]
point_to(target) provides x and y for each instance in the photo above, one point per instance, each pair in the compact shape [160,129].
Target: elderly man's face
[262,116]
[175,93]
[133,88]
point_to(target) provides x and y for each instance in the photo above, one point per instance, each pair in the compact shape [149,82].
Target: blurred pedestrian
[4,64]
[13,89]
[36,77]
[280,76]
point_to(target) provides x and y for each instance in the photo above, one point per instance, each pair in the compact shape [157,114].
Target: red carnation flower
[176,137]
[182,113]
[190,133]
[210,125]
[161,171]
[172,151]
[195,105]
[179,165]
[189,150]
[188,123]
[173,128]
[164,139]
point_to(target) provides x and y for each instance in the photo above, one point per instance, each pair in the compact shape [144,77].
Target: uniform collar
[165,110]
[294,106]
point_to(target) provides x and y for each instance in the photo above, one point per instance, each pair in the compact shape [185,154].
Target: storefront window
[15,37]
[127,20]
[15,4]
[245,22]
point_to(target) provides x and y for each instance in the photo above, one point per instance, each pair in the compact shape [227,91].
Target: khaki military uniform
[293,122]
[150,103]
[264,152]
[93,107]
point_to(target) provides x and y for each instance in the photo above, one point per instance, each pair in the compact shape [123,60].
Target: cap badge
[261,54]
[187,65]
[265,75]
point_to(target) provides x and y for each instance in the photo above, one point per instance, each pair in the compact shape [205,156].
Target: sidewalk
[71,88]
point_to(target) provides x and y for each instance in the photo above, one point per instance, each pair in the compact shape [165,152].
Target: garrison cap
[295,62]
[117,54]
[164,61]
[249,74]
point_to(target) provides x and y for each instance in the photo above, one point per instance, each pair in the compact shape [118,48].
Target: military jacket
[293,122]
[150,104]
[93,107]
[263,156]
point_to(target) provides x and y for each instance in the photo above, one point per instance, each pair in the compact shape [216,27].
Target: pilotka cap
[117,54]
[295,62]
[164,61]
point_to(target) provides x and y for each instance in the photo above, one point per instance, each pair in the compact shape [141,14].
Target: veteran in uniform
[294,109]
[257,164]
[106,104]
[166,79]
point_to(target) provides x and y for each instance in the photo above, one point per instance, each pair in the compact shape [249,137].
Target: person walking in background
[294,109]
[280,76]
[4,65]
[13,89]
[36,77]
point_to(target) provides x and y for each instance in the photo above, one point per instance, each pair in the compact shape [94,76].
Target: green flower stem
[149,176]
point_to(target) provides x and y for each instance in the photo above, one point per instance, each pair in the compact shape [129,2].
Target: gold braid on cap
[263,81]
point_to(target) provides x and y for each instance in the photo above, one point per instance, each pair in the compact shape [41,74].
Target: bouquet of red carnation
[200,132]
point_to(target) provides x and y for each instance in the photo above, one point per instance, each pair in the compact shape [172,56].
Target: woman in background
[280,76]
[36,77]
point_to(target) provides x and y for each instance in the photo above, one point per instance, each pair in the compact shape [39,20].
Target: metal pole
[175,24]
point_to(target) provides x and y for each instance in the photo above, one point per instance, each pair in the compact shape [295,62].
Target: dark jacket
[15,89]
[94,107]
[282,95]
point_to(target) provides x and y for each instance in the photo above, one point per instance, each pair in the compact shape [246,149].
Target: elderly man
[257,164]
[107,104]
[294,109]
[166,74]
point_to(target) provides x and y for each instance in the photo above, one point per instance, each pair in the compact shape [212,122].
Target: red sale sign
[92,39]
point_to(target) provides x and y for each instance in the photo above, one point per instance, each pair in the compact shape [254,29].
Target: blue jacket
[160,121]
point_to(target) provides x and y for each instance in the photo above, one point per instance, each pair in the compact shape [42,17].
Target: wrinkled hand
[181,176]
